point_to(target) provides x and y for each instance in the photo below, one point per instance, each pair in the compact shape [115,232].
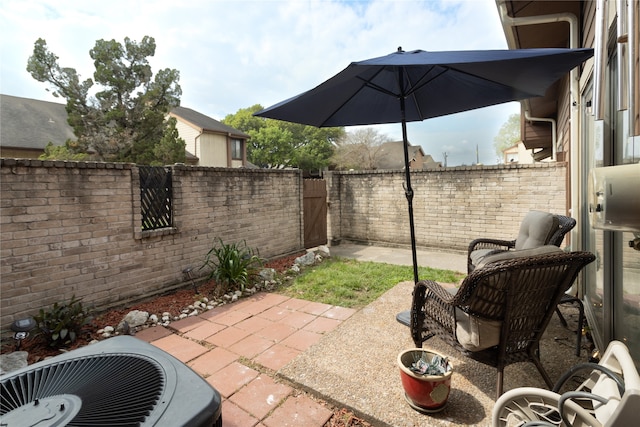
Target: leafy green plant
[231,265]
[63,322]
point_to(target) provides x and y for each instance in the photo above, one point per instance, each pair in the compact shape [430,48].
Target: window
[236,149]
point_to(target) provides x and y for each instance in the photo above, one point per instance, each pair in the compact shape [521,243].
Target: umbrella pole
[408,191]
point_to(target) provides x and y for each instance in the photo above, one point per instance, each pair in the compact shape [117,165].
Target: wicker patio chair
[608,394]
[554,227]
[500,311]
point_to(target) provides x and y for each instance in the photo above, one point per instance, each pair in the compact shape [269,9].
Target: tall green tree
[508,135]
[244,119]
[274,142]
[126,117]
[63,152]
[171,148]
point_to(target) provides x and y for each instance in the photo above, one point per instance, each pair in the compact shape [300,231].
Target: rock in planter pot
[426,379]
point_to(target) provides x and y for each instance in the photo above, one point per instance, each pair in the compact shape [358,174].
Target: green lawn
[354,284]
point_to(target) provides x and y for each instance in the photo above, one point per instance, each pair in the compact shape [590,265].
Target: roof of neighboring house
[429,163]
[513,147]
[205,123]
[32,124]
[391,155]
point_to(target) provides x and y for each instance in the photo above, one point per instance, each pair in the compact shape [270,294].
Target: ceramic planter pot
[424,393]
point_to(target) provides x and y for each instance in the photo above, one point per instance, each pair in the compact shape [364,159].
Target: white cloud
[233,54]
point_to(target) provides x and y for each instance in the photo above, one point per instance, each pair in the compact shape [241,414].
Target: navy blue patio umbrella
[417,85]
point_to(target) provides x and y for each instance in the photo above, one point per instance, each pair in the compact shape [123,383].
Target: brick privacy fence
[451,206]
[74,228]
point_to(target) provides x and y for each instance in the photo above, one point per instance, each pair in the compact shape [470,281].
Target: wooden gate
[315,212]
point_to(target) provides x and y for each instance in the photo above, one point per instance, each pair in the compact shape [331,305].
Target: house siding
[214,150]
[207,138]
[596,129]
[190,136]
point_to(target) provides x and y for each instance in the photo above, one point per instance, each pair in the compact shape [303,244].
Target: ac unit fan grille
[115,389]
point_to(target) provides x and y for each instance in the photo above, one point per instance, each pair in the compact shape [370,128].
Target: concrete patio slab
[354,366]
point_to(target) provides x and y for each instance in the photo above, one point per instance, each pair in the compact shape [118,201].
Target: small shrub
[63,322]
[231,265]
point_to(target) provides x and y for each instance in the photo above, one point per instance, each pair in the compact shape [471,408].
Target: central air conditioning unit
[122,381]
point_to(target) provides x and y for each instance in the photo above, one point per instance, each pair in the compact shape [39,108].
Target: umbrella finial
[400,49]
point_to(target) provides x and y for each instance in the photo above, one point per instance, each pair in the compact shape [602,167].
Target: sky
[233,54]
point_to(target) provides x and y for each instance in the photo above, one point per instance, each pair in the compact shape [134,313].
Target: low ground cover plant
[63,322]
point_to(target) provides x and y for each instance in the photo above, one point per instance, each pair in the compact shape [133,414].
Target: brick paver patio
[239,347]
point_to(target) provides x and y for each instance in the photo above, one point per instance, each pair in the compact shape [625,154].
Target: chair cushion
[478,255]
[474,333]
[542,250]
[536,229]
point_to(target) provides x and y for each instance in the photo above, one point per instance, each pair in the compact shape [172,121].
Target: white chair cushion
[536,229]
[474,333]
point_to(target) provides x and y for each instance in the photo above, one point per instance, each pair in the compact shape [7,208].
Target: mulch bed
[173,302]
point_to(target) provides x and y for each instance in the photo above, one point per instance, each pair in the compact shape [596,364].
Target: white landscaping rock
[324,251]
[136,318]
[307,259]
[267,274]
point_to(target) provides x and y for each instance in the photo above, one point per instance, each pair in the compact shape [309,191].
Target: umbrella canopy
[412,86]
[433,84]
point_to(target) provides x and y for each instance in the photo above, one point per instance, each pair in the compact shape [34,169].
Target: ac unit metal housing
[120,381]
